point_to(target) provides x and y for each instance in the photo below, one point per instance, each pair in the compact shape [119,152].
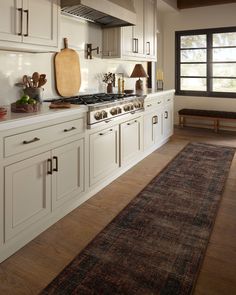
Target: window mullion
[209,61]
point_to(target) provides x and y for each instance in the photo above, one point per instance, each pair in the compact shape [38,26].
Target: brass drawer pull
[155,120]
[31,141]
[166,115]
[70,129]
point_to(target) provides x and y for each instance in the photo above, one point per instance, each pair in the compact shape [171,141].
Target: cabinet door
[152,128]
[168,120]
[40,22]
[128,46]
[138,30]
[27,193]
[10,20]
[130,138]
[148,130]
[68,172]
[104,153]
[150,29]
[111,45]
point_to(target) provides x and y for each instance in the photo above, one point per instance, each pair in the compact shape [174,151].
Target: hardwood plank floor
[30,269]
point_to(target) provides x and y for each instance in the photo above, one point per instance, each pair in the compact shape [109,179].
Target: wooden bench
[215,116]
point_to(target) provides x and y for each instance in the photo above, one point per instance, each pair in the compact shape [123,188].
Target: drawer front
[153,103]
[22,142]
[168,98]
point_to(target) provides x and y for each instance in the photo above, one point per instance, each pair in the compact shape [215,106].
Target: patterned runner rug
[157,243]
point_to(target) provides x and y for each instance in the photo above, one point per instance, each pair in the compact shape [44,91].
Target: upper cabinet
[133,42]
[29,25]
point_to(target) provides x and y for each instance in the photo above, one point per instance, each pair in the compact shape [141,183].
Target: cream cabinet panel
[40,21]
[130,139]
[168,120]
[150,29]
[152,129]
[27,193]
[29,25]
[127,41]
[138,30]
[10,20]
[68,172]
[104,153]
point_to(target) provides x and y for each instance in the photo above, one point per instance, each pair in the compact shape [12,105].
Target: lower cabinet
[104,153]
[168,120]
[130,140]
[68,165]
[152,128]
[27,193]
[32,185]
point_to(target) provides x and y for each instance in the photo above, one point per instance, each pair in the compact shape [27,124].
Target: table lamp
[138,72]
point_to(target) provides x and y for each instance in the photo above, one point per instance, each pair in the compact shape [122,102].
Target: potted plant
[109,79]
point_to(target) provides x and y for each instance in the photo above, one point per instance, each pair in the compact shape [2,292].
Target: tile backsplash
[13,65]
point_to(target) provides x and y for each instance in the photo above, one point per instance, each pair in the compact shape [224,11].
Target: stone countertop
[14,120]
[151,91]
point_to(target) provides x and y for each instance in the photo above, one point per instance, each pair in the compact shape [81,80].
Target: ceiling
[198,3]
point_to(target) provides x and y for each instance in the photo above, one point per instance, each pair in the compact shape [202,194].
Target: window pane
[193,41]
[224,70]
[193,70]
[224,54]
[224,39]
[194,84]
[197,55]
[224,85]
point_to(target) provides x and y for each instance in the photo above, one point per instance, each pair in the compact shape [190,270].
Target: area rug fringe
[157,243]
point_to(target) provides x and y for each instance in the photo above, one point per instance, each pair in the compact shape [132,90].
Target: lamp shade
[138,72]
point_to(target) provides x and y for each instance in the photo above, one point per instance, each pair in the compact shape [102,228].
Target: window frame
[209,47]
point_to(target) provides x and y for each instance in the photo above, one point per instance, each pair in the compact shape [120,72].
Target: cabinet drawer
[153,103]
[22,142]
[168,99]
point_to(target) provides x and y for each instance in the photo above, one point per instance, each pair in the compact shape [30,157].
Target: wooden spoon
[42,80]
[25,81]
[35,78]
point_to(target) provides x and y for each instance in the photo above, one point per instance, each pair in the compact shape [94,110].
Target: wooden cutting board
[67,71]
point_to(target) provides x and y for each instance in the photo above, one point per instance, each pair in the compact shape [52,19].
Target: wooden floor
[34,266]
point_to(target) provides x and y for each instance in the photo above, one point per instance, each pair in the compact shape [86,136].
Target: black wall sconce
[89,50]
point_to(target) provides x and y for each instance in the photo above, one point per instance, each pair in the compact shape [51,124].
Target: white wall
[189,19]
[13,65]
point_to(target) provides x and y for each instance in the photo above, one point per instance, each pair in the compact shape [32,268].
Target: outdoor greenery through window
[206,62]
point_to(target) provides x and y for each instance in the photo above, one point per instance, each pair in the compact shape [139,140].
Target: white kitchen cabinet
[33,184]
[29,24]
[104,153]
[152,128]
[68,172]
[150,29]
[130,140]
[168,119]
[133,42]
[138,30]
[27,193]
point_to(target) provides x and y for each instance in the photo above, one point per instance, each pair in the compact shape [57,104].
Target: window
[206,62]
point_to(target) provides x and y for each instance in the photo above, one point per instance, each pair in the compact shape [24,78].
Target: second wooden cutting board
[67,71]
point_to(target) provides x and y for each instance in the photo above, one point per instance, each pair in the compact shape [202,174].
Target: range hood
[107,13]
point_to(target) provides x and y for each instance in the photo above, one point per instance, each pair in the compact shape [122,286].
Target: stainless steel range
[104,108]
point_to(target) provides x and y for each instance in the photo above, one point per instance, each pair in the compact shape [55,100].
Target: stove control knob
[119,110]
[137,105]
[98,115]
[126,108]
[131,107]
[104,114]
[113,111]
